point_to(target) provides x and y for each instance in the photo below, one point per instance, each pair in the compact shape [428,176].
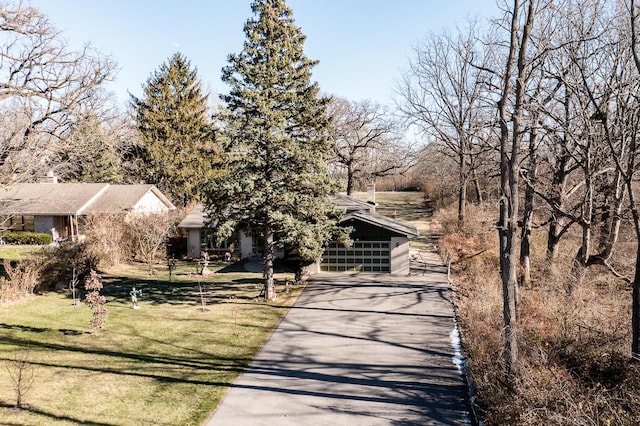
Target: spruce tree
[276,144]
[173,120]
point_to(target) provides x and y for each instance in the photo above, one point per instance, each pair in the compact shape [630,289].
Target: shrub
[108,239]
[22,280]
[573,348]
[112,239]
[25,237]
[149,234]
[57,271]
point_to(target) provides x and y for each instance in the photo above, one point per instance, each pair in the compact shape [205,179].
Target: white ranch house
[55,208]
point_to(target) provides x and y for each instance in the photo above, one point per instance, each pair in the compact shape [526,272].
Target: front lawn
[167,363]
[18,252]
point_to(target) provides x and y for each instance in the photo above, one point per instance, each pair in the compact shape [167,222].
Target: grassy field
[167,363]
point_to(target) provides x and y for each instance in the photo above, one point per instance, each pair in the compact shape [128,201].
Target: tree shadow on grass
[53,417]
[164,291]
[158,366]
[26,328]
[187,286]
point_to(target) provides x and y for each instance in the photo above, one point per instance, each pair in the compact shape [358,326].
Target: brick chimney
[371,194]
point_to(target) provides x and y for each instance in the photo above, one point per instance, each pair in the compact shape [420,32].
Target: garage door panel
[365,256]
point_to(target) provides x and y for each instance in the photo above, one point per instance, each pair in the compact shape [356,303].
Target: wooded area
[538,111]
[547,95]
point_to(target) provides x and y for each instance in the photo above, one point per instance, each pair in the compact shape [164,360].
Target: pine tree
[174,125]
[275,133]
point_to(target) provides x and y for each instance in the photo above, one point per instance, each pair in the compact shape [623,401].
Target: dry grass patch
[573,348]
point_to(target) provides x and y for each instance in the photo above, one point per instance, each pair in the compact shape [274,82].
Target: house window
[17,223]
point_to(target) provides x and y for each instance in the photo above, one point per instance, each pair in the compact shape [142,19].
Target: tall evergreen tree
[275,132]
[173,120]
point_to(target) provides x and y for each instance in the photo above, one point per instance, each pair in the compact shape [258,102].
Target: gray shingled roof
[123,198]
[385,222]
[195,219]
[349,203]
[57,199]
[48,199]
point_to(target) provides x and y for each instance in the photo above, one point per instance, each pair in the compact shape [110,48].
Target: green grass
[17,252]
[167,363]
[409,207]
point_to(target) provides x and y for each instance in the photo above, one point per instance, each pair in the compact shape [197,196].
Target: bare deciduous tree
[367,142]
[511,125]
[44,86]
[20,372]
[149,235]
[443,95]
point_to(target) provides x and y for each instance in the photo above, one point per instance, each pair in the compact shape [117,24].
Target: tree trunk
[553,241]
[506,262]
[527,218]
[462,191]
[613,225]
[269,253]
[635,303]
[635,293]
[349,179]
[525,243]
[556,225]
[610,222]
[580,261]
[476,185]
[509,180]
[635,311]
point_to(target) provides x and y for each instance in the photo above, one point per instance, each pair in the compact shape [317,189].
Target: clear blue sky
[362,45]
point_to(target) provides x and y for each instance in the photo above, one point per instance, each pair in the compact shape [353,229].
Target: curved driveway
[365,349]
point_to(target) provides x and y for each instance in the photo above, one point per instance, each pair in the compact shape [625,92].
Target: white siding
[150,203]
[246,245]
[399,255]
[193,243]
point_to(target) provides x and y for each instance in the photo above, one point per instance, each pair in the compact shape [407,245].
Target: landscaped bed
[167,363]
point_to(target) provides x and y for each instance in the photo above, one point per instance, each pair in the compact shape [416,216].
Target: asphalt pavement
[358,349]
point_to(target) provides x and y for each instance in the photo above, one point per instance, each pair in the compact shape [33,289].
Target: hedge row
[24,237]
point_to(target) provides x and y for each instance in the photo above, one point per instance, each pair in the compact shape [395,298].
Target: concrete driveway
[357,350]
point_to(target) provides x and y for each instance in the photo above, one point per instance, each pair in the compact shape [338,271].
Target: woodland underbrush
[574,347]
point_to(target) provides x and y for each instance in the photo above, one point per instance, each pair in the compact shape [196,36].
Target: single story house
[55,207]
[380,243]
[239,245]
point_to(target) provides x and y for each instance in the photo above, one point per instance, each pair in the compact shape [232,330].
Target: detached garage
[380,243]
